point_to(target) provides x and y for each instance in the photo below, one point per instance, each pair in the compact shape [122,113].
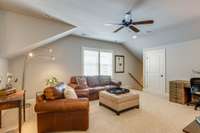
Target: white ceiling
[175,20]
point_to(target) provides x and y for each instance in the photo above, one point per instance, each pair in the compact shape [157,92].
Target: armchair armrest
[62,105]
[117,83]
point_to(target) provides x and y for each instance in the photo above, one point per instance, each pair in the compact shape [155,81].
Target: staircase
[133,77]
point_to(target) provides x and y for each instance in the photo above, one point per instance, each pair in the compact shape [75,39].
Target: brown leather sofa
[62,114]
[93,85]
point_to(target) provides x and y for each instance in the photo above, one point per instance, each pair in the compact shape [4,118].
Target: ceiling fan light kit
[128,22]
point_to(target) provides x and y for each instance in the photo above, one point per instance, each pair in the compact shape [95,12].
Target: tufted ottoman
[119,103]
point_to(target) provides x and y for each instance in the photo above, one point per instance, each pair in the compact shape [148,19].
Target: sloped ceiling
[175,20]
[20,33]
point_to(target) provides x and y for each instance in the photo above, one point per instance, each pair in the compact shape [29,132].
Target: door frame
[144,64]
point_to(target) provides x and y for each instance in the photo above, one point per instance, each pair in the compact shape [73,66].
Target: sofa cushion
[99,88]
[96,89]
[104,80]
[93,81]
[82,82]
[82,92]
[92,91]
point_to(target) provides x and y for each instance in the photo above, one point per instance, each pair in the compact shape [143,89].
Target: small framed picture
[119,64]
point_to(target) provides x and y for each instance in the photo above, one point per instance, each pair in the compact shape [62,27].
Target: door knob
[162,75]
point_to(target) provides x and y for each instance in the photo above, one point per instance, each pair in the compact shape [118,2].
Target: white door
[154,71]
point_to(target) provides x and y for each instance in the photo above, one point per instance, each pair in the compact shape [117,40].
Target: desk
[14,101]
[193,127]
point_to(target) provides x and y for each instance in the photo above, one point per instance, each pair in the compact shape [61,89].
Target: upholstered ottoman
[119,103]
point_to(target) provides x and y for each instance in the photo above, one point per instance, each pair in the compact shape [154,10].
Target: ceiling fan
[129,23]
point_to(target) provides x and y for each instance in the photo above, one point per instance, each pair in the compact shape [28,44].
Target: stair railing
[131,75]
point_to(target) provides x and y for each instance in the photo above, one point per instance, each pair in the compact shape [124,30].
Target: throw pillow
[82,82]
[69,93]
[60,87]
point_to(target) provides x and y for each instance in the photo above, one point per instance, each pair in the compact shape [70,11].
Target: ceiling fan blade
[118,29]
[143,22]
[133,28]
[113,24]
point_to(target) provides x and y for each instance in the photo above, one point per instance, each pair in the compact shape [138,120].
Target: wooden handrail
[131,75]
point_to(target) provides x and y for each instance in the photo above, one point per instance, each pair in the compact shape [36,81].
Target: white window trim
[96,49]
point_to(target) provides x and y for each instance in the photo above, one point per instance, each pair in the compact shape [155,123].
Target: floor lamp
[30,55]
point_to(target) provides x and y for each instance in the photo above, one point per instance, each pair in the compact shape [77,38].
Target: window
[90,63]
[97,62]
[106,63]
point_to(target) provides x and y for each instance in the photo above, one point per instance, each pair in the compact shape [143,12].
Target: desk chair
[195,90]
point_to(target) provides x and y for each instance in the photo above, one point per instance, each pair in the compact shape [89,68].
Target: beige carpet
[156,115]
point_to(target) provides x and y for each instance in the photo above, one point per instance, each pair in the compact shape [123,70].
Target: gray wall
[3,71]
[68,63]
[181,59]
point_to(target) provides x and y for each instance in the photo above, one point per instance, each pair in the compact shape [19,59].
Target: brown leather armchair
[62,114]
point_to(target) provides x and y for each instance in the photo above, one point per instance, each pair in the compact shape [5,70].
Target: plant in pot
[51,82]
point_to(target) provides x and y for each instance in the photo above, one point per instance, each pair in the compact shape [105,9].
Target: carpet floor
[156,115]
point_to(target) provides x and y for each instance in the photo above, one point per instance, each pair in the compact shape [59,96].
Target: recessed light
[30,54]
[50,50]
[134,37]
